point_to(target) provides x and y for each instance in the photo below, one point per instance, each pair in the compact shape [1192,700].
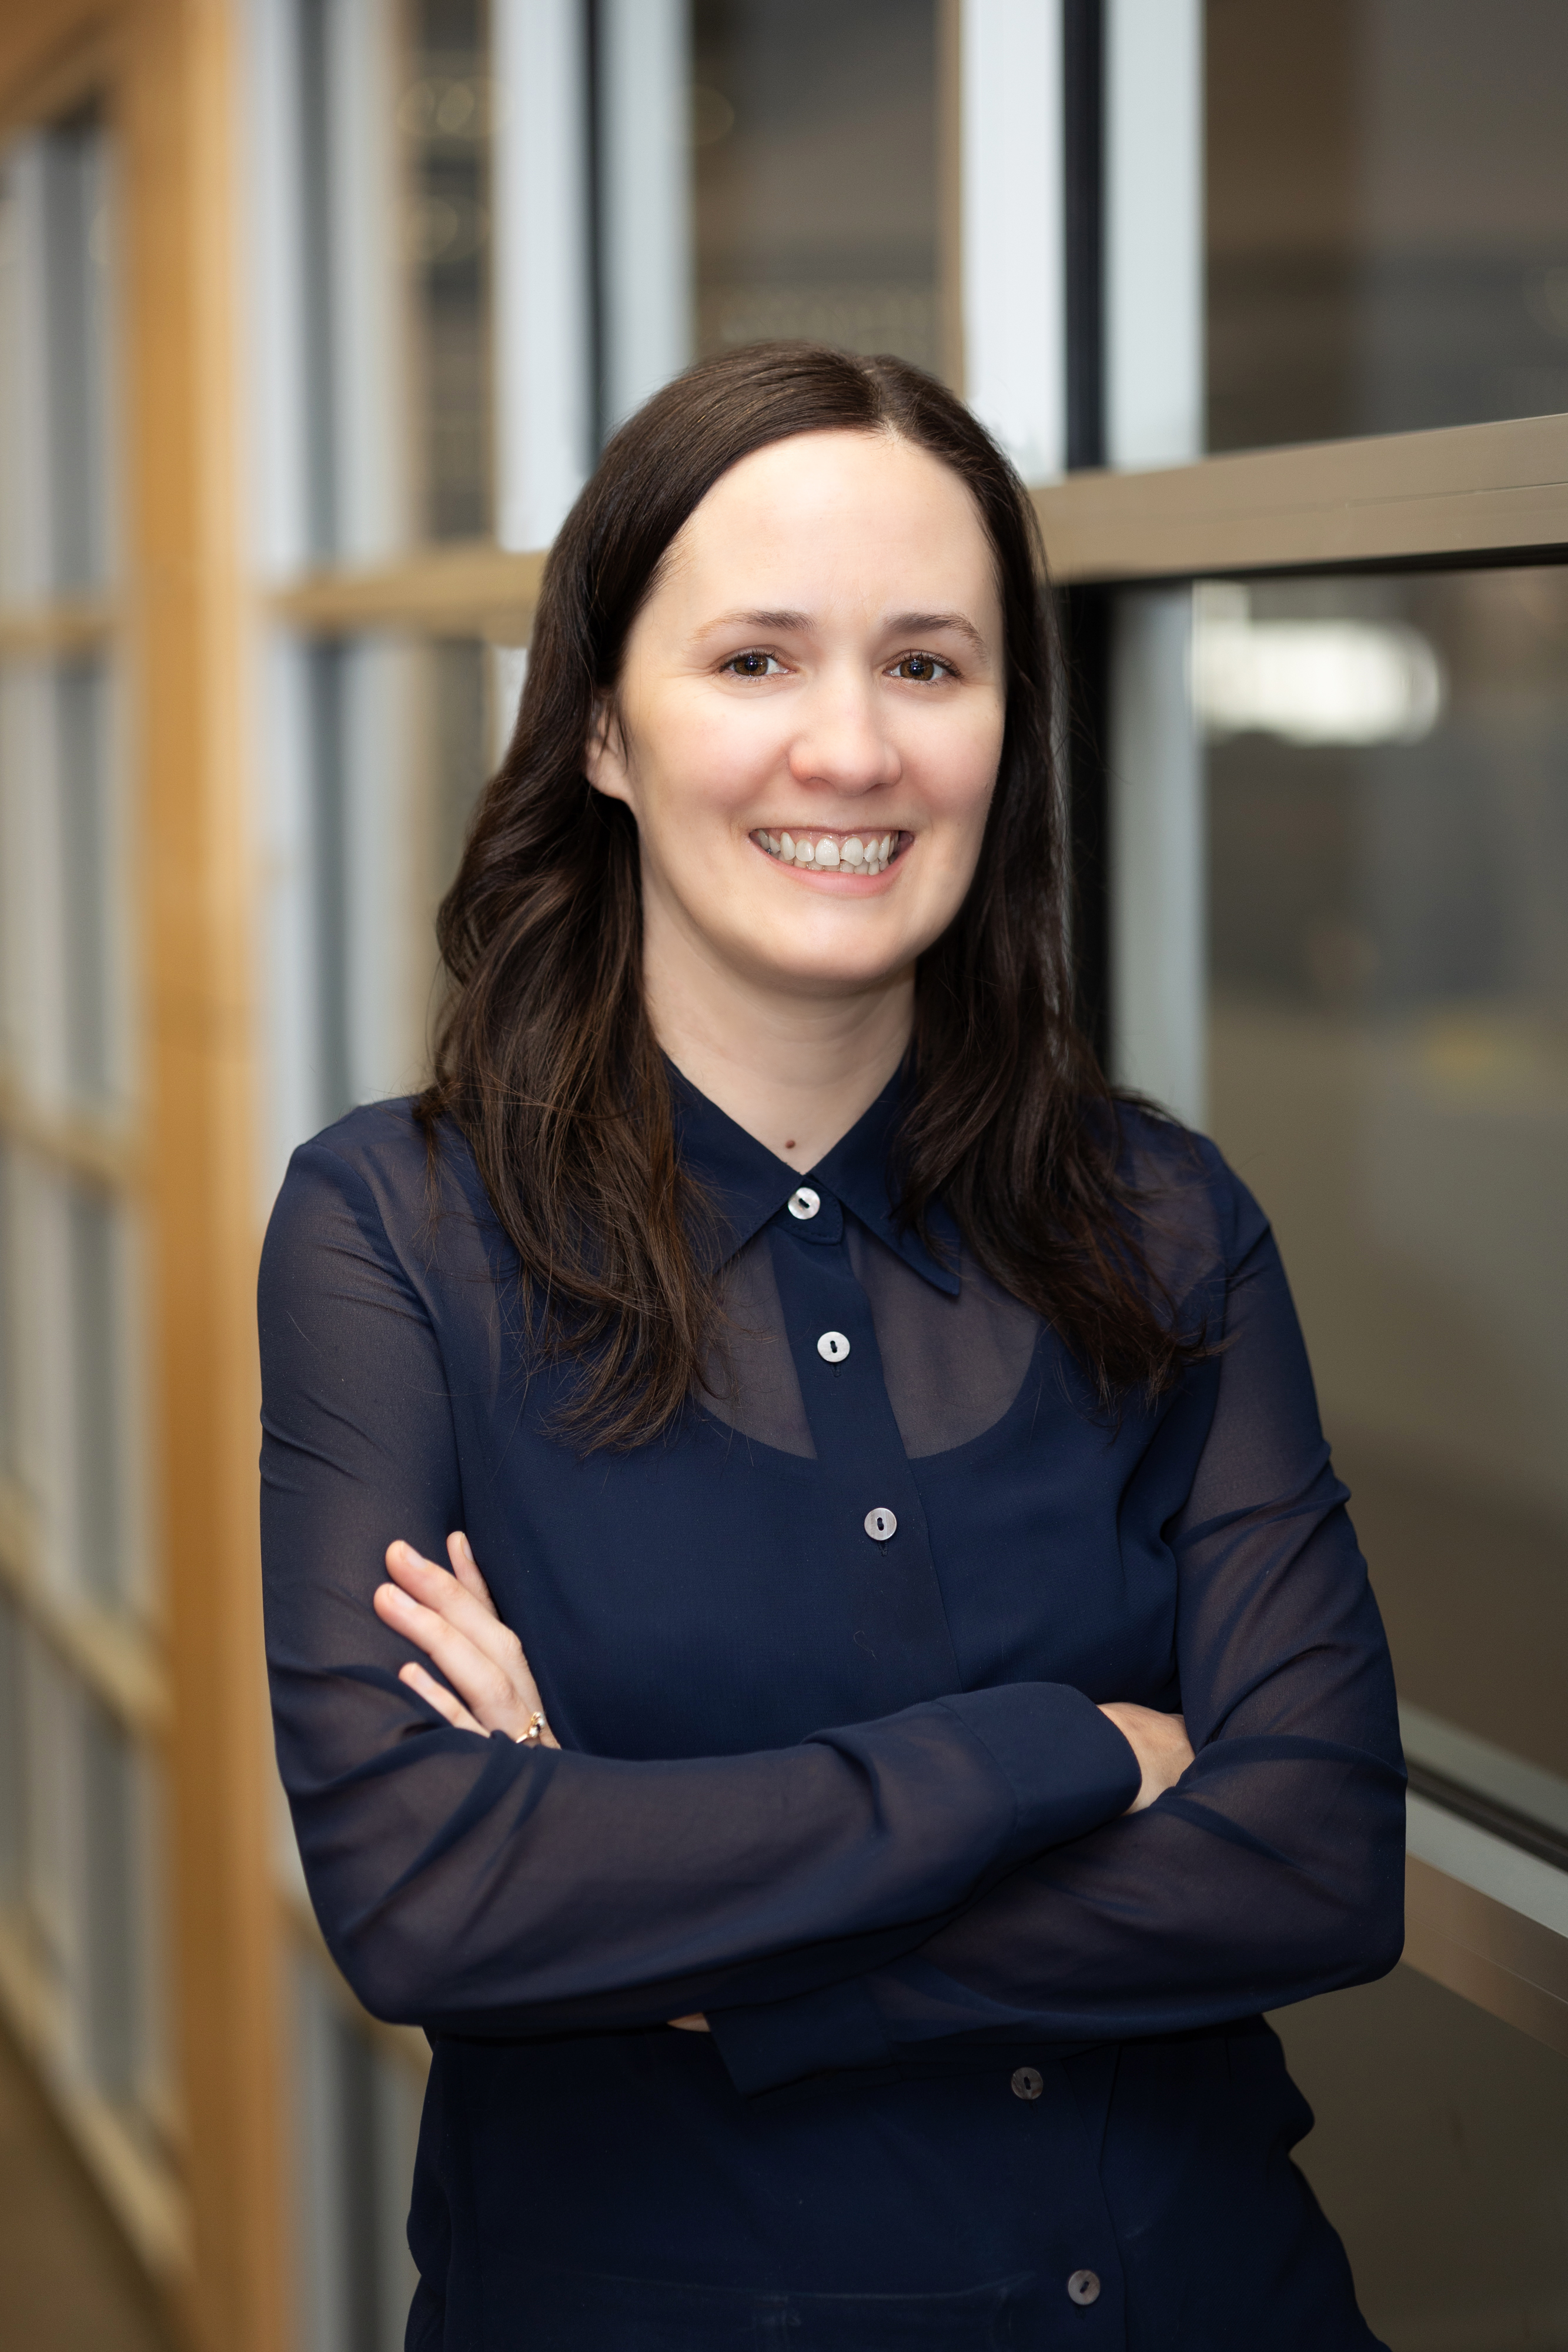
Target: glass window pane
[461,685]
[19,892]
[89,873]
[98,1493]
[1387,765]
[13,1798]
[445,115]
[1387,216]
[375,784]
[391,110]
[50,1783]
[316,353]
[76,256]
[111,1884]
[325,674]
[817,175]
[10,1309]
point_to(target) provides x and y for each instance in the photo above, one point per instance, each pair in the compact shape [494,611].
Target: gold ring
[533,1735]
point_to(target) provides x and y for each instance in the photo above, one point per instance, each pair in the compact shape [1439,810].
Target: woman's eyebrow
[784,623]
[920,624]
[766,623]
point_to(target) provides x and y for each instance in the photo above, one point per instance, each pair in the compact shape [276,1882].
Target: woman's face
[809,715]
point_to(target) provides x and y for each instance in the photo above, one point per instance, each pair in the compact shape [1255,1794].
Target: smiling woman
[919,1647]
[595,945]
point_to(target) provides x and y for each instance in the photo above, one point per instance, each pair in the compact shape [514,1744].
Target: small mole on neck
[789,1143]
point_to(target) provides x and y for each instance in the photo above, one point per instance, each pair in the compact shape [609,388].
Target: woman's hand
[453,1619]
[1158,1741]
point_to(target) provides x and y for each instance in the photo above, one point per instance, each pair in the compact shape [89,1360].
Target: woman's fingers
[697,2024]
[439,1699]
[453,1619]
[482,1685]
[434,1589]
[465,1568]
[1160,1742]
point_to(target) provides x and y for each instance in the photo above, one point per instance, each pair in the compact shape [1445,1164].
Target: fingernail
[467,1547]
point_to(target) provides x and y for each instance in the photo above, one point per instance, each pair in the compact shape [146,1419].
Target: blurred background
[313,316]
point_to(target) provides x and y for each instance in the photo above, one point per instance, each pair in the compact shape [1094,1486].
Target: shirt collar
[749,1184]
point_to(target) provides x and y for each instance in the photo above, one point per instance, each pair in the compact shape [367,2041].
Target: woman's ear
[604,754]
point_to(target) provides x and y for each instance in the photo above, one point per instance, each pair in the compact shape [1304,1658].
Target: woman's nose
[842,742]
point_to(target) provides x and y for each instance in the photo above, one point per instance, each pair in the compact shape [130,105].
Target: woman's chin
[802,973]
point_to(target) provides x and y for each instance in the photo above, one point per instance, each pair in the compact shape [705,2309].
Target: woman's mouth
[833,852]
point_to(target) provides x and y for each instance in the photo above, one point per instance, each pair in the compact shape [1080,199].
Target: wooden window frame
[189,1690]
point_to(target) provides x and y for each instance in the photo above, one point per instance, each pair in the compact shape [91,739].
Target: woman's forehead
[836,514]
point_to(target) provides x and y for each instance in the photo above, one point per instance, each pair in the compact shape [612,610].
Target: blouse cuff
[1067,1765]
[770,2042]
[1069,1768]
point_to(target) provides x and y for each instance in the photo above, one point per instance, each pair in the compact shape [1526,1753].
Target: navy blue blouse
[987,2066]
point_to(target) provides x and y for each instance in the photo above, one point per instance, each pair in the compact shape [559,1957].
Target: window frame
[1486,1888]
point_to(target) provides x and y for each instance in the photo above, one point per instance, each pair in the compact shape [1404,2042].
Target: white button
[880,1523]
[1028,2083]
[1083,2287]
[833,1346]
[803,1202]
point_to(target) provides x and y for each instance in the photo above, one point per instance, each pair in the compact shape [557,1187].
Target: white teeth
[854,855]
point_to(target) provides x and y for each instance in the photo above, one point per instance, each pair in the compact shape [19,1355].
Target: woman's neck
[795,1071]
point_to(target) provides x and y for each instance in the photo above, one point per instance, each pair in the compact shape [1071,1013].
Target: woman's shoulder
[376,1166]
[1194,1211]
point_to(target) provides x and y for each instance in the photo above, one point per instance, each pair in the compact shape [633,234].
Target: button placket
[895,1611]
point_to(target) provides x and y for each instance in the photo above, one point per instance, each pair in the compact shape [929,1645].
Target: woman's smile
[849,854]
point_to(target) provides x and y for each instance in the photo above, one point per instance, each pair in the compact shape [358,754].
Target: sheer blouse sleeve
[1275,1868]
[485,1887]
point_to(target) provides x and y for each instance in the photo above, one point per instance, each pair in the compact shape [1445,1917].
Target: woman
[920,1653]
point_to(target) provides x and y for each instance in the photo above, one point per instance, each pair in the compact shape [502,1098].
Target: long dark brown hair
[545,1056]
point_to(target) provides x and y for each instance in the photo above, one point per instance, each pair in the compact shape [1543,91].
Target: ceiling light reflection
[1310,682]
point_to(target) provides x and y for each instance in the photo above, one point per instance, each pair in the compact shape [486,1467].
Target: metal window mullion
[1012,228]
[543,335]
[643,74]
[28,546]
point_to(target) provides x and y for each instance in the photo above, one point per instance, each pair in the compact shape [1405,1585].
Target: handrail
[1488,1919]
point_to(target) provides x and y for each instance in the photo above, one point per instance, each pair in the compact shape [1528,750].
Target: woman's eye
[754,665]
[920,669]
